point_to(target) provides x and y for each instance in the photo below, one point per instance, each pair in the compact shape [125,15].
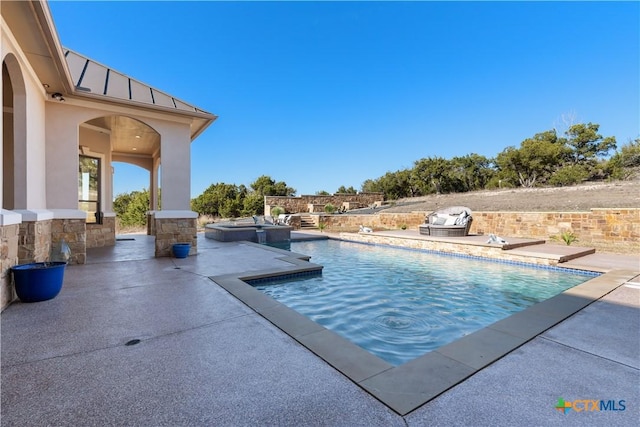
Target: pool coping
[406,387]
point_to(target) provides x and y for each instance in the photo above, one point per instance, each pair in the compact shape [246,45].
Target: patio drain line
[133,342]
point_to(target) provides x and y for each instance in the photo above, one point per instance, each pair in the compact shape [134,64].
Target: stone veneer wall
[453,248]
[8,258]
[175,230]
[74,233]
[99,235]
[604,229]
[302,203]
[34,243]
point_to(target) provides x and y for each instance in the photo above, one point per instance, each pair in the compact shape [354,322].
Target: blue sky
[324,94]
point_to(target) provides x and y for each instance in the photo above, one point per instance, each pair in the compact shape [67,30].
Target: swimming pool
[400,304]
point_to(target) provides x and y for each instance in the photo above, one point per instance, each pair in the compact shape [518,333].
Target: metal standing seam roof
[93,78]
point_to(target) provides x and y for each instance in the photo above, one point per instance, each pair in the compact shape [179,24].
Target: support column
[175,222]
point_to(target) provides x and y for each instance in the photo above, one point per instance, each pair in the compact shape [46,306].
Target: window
[89,188]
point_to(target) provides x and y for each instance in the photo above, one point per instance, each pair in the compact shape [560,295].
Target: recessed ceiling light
[138,136]
[134,148]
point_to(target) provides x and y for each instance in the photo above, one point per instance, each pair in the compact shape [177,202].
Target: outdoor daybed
[454,221]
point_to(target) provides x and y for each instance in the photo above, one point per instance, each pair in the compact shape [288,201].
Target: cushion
[439,221]
[451,220]
[462,220]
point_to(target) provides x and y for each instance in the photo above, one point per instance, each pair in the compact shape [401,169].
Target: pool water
[400,304]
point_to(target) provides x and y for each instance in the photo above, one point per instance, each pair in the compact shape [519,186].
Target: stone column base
[74,232]
[8,258]
[100,235]
[175,230]
[34,244]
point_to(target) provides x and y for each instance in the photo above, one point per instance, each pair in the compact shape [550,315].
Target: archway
[14,134]
[109,141]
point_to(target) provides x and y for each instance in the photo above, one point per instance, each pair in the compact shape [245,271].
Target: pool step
[560,253]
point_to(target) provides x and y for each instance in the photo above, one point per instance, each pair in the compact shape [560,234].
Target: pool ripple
[401,304]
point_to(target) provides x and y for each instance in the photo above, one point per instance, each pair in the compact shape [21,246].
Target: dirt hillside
[622,194]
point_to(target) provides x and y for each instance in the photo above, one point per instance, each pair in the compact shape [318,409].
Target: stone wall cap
[9,217]
[35,214]
[69,214]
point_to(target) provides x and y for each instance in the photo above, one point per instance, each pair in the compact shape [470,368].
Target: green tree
[471,172]
[587,144]
[253,204]
[431,175]
[266,186]
[322,193]
[535,161]
[218,200]
[131,209]
[371,186]
[623,164]
[344,190]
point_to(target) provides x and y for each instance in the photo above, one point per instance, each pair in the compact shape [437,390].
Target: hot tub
[235,232]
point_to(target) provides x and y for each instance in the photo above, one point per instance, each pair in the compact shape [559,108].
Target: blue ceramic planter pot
[39,281]
[181,250]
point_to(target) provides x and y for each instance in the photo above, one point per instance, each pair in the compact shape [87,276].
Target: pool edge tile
[409,386]
[481,348]
[350,359]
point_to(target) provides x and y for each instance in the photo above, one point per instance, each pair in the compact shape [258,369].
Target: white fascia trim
[108,214]
[9,218]
[69,214]
[175,214]
[35,214]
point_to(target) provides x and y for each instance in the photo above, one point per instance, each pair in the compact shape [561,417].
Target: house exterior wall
[29,184]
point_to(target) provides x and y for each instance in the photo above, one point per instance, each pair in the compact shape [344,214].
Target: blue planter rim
[39,265]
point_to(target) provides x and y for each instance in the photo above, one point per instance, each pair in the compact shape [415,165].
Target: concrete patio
[205,358]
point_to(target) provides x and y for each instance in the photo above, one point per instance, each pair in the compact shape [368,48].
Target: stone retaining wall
[99,235]
[74,233]
[175,230]
[34,243]
[313,203]
[8,258]
[452,248]
[611,230]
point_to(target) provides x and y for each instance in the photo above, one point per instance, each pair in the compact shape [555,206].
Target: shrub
[569,175]
[329,208]
[276,210]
